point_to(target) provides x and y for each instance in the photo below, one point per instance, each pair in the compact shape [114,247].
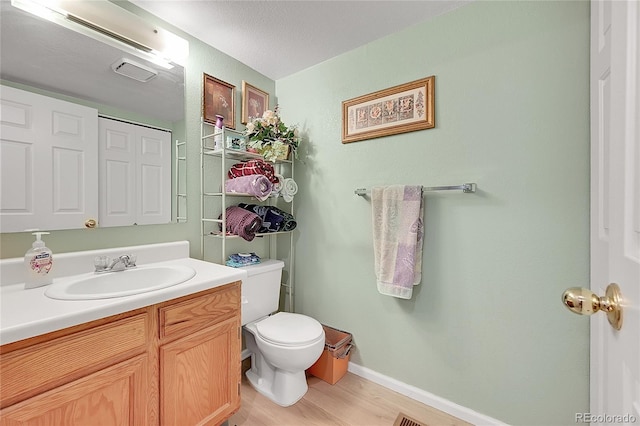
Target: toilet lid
[287,329]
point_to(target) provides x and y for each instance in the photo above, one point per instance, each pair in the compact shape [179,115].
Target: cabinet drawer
[204,309]
[48,364]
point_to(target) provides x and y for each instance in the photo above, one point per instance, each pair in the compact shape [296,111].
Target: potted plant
[270,137]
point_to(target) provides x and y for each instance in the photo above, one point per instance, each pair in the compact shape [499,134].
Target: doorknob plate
[613,309]
[583,301]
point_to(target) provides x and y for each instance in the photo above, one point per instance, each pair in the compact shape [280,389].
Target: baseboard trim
[451,408]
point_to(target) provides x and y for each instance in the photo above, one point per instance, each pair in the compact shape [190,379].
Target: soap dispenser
[38,262]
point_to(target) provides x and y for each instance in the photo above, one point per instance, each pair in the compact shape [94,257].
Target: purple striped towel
[397,238]
[242,222]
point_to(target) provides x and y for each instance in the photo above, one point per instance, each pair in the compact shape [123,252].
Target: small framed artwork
[218,98]
[398,109]
[254,102]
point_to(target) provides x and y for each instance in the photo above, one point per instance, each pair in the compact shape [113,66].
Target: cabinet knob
[90,223]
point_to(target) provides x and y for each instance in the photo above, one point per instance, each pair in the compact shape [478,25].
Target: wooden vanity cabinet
[175,363]
[200,344]
[96,373]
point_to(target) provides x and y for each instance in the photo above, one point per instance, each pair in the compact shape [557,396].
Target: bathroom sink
[137,280]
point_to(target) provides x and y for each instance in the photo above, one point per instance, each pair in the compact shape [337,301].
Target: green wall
[485,328]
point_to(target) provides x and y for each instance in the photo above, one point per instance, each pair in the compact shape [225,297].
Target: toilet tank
[261,289]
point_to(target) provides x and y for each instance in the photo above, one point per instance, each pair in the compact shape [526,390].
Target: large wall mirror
[42,57]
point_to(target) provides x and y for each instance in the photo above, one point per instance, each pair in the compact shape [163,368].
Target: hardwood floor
[353,401]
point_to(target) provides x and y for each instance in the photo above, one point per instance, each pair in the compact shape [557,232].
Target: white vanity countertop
[29,313]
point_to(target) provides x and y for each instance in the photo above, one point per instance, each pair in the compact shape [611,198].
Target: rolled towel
[257,185]
[273,219]
[289,222]
[253,167]
[289,189]
[242,222]
[277,187]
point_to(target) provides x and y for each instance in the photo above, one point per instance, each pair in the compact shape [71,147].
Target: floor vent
[404,420]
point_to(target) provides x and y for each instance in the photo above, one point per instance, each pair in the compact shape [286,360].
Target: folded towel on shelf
[253,167]
[397,238]
[238,260]
[257,185]
[289,189]
[242,222]
[273,219]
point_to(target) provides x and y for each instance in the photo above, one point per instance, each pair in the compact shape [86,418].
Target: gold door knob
[90,223]
[583,301]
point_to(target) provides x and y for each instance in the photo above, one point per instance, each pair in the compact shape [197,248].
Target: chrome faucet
[120,263]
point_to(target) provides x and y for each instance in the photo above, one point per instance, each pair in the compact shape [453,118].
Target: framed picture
[254,102]
[218,98]
[398,109]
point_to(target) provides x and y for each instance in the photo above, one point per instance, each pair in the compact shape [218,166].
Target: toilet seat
[287,329]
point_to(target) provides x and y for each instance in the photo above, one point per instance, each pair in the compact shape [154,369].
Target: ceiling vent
[133,70]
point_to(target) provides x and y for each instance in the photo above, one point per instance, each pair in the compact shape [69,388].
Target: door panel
[615,211]
[113,396]
[200,376]
[135,174]
[49,158]
[117,173]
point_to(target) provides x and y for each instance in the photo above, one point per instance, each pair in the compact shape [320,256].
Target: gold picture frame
[399,109]
[254,102]
[218,98]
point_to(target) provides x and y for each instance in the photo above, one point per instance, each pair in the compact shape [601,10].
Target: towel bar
[467,188]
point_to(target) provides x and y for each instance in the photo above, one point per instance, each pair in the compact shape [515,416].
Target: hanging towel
[257,185]
[397,238]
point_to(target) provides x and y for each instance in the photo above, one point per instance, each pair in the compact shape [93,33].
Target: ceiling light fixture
[108,22]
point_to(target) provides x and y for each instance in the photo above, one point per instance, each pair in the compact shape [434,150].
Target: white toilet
[282,345]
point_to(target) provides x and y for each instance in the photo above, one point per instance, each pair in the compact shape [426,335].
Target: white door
[49,157]
[153,176]
[117,173]
[615,207]
[135,174]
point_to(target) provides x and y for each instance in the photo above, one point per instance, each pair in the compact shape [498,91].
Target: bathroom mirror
[40,56]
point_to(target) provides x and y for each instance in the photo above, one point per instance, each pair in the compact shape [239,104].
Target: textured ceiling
[279,38]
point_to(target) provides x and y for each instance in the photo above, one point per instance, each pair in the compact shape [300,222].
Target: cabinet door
[200,376]
[113,396]
[49,159]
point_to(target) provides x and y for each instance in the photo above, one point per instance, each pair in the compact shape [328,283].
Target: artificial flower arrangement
[271,137]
